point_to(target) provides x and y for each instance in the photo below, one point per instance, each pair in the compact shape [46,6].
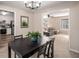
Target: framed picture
[24,21]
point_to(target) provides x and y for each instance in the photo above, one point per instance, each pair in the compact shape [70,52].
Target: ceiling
[21,5]
[44,4]
[63,12]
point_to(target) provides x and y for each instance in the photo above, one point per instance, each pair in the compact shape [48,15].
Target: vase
[34,40]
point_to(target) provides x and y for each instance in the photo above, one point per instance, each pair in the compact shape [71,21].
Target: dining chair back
[42,50]
[50,51]
[18,37]
[47,50]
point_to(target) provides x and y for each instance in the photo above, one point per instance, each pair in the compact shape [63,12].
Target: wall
[74,29]
[17,14]
[55,22]
[37,17]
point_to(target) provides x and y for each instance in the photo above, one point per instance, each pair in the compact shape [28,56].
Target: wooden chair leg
[9,51]
[44,55]
[48,54]
[38,55]
[52,51]
[15,55]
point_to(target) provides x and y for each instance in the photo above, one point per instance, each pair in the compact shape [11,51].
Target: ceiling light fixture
[32,4]
[3,13]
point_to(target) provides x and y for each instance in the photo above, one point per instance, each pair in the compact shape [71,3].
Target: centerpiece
[34,36]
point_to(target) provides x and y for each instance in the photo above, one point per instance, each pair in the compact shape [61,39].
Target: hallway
[61,47]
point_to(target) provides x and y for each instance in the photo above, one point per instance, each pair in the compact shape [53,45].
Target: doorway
[6,27]
[57,24]
[57,21]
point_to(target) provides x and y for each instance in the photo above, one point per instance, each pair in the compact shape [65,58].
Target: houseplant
[34,36]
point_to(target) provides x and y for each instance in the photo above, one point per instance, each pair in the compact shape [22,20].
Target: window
[64,24]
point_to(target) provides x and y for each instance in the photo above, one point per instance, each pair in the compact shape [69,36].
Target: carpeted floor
[61,47]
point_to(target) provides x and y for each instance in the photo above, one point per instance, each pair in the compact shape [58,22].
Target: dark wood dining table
[25,48]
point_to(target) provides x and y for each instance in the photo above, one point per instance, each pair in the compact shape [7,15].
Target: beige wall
[54,22]
[17,14]
[37,21]
[74,29]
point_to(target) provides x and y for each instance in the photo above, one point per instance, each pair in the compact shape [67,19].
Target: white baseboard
[76,51]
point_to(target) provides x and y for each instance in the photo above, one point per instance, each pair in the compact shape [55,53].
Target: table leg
[52,52]
[9,51]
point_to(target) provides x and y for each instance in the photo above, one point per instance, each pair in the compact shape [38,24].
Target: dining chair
[42,50]
[17,37]
[50,51]
[47,50]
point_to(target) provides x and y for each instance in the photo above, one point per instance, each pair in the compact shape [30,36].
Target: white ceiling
[20,4]
[44,4]
[64,12]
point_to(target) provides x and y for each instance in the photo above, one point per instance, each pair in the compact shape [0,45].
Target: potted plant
[34,36]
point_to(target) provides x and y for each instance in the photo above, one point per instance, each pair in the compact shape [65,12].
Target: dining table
[25,47]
